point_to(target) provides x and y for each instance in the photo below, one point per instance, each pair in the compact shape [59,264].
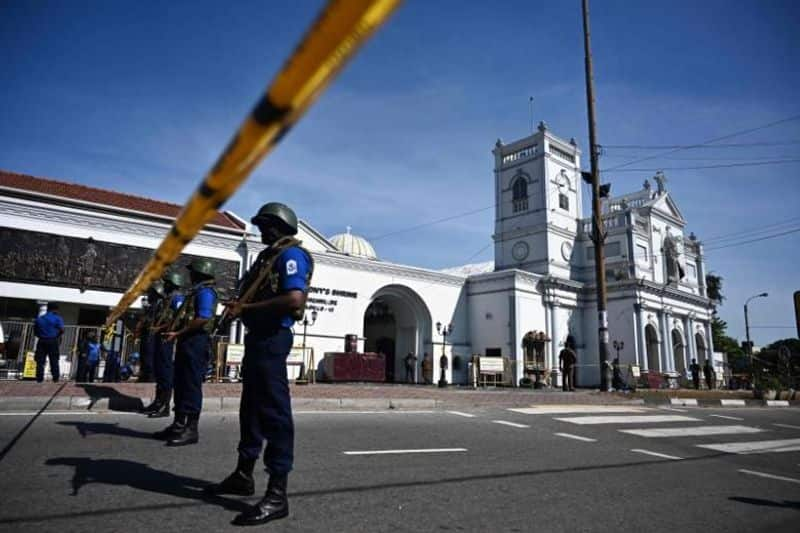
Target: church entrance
[700,343]
[397,322]
[679,352]
[651,341]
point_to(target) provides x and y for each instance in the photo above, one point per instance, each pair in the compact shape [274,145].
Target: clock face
[566,250]
[562,182]
[520,251]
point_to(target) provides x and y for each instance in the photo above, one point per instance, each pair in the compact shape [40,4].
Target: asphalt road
[501,470]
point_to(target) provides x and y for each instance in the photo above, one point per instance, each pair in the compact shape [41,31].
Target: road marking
[512,424]
[786,426]
[726,417]
[60,413]
[769,476]
[764,446]
[576,437]
[656,454]
[390,452]
[459,413]
[738,403]
[645,419]
[378,412]
[694,431]
[576,409]
[674,409]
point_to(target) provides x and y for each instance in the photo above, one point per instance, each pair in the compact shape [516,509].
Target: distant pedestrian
[616,381]
[567,360]
[411,364]
[90,356]
[427,368]
[694,368]
[709,374]
[48,328]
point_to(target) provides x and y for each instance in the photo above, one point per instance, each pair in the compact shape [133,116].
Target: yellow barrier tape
[342,27]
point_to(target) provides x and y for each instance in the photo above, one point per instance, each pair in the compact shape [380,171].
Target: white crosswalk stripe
[630,419]
[763,446]
[577,409]
[694,431]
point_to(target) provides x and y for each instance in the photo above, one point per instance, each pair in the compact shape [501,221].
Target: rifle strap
[265,267]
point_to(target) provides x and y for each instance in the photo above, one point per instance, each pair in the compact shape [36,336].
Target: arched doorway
[700,343]
[651,340]
[679,351]
[396,322]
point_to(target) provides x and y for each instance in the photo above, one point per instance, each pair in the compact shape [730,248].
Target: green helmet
[275,212]
[175,278]
[202,266]
[157,287]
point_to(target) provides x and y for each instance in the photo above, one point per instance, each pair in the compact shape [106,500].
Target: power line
[788,232]
[729,165]
[737,234]
[695,146]
[722,138]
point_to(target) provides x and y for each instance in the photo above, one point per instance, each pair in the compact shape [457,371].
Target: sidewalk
[26,396]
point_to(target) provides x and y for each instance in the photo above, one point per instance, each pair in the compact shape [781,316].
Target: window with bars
[520,194]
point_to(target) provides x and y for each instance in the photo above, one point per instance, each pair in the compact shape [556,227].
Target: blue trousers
[147,349]
[46,349]
[191,361]
[162,364]
[265,412]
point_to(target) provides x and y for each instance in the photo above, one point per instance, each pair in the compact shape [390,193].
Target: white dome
[354,245]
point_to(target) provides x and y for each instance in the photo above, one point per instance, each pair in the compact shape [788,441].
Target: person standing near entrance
[272,297]
[411,364]
[709,374]
[48,328]
[191,329]
[694,368]
[147,341]
[567,359]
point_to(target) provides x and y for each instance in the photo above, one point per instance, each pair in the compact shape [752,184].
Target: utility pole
[598,230]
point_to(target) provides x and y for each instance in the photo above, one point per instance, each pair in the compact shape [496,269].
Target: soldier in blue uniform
[282,274]
[48,328]
[147,345]
[191,327]
[163,350]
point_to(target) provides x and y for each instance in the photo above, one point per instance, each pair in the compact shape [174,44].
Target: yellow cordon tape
[340,30]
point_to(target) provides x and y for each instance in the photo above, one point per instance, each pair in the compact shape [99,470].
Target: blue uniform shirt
[293,266]
[92,351]
[205,300]
[48,326]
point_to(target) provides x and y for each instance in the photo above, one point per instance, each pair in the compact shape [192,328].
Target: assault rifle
[254,280]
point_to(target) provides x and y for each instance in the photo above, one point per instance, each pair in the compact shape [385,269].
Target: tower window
[563,201]
[520,194]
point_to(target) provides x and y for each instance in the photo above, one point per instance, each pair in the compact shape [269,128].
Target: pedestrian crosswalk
[654,424]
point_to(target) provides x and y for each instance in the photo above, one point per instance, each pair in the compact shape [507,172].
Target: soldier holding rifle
[272,297]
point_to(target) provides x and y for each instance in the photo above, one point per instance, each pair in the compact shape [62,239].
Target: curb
[10,404]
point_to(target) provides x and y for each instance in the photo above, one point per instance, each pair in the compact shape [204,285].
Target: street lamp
[747,326]
[444,332]
[306,323]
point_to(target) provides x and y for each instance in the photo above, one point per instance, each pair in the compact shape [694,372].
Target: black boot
[155,405]
[273,506]
[240,482]
[174,429]
[188,433]
[163,407]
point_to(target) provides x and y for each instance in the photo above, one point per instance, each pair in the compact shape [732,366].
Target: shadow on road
[116,400]
[96,428]
[767,503]
[140,476]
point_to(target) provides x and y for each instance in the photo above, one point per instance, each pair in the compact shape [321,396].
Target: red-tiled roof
[74,191]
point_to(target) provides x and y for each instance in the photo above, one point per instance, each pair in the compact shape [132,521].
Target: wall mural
[44,258]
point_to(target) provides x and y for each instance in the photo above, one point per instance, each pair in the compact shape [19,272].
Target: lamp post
[747,327]
[444,331]
[306,323]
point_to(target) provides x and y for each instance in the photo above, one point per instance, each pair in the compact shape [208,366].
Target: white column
[667,362]
[637,340]
[643,336]
[691,350]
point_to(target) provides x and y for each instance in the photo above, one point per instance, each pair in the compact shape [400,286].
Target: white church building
[541,279]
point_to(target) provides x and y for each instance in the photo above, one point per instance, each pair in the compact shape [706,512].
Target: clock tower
[538,203]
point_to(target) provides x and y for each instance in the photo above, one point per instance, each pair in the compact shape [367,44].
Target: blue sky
[142,96]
